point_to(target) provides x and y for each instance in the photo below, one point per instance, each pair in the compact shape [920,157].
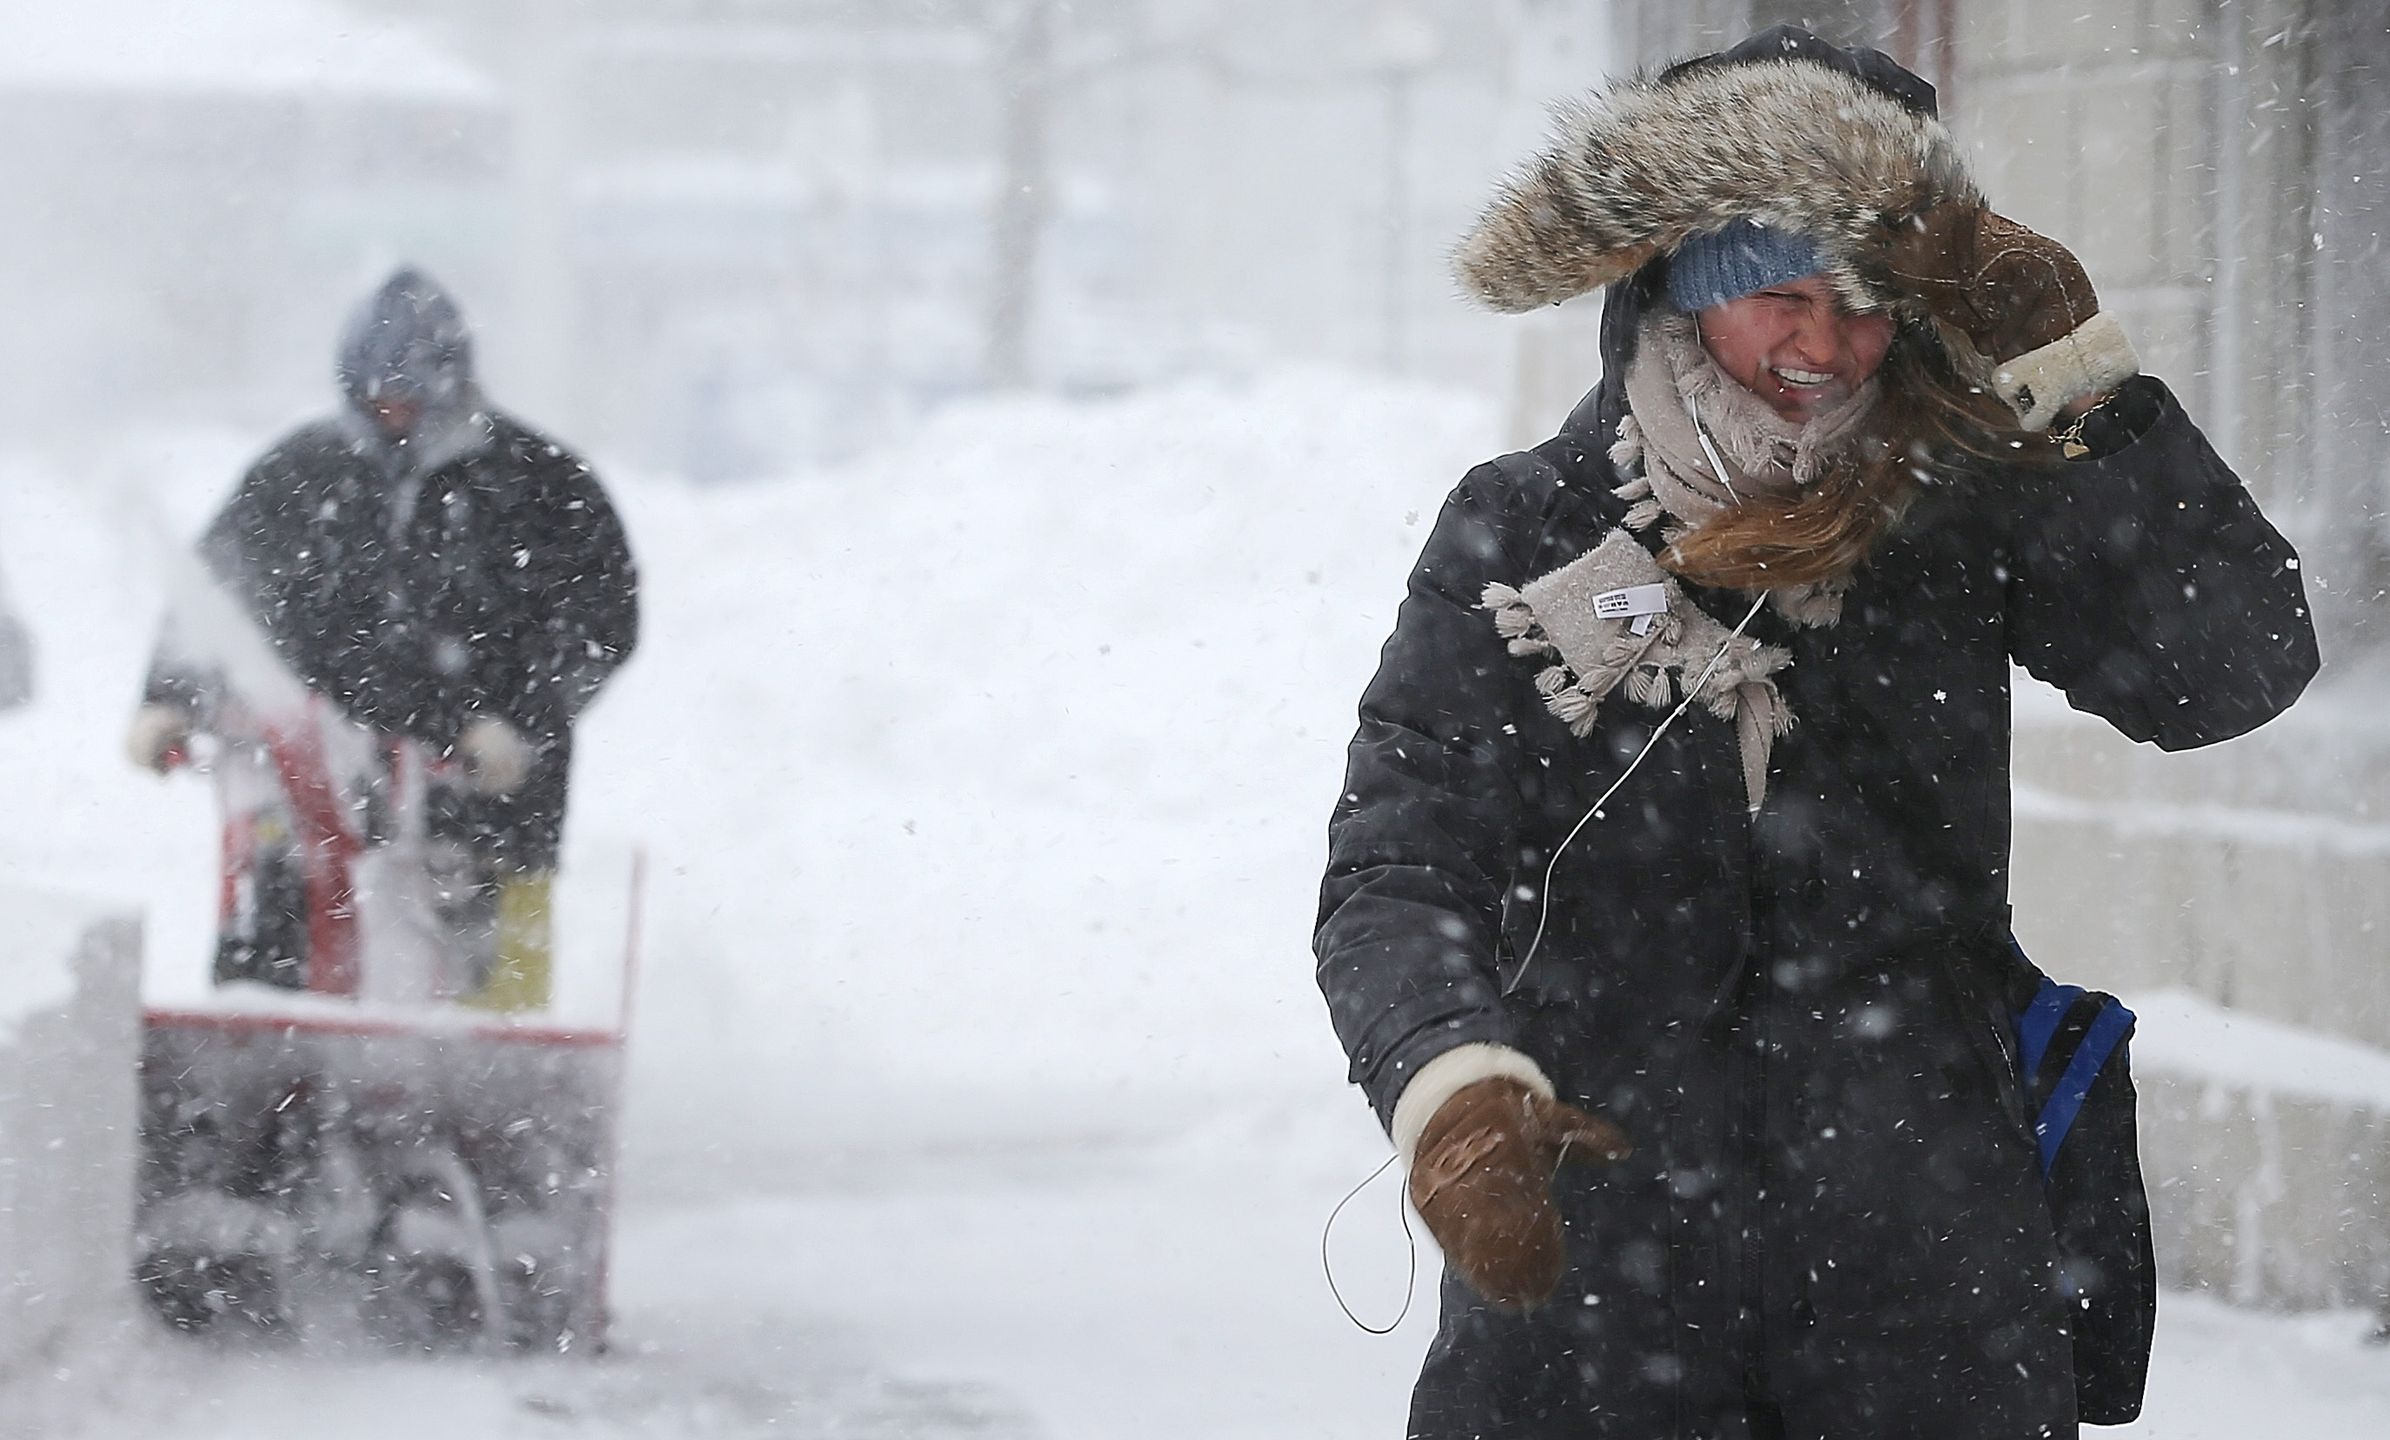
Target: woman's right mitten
[1482,1180]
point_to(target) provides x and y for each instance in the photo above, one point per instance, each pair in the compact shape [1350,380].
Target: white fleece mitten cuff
[2093,357]
[1450,1073]
[156,729]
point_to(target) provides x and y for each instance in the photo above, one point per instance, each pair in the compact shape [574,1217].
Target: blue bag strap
[2040,1022]
[2107,1031]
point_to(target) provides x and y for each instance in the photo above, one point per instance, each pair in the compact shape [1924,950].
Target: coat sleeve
[581,611]
[2145,584]
[1421,843]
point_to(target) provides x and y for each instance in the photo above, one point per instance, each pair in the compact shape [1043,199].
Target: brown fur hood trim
[1636,169]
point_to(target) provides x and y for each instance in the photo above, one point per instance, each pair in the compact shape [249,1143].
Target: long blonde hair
[1931,423]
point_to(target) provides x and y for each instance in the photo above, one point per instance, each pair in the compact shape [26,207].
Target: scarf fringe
[1576,699]
[1643,508]
[1514,620]
[1815,607]
[1627,450]
[1649,686]
[1736,686]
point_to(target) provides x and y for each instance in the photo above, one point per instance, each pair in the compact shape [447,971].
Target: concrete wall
[2269,1152]
[187,244]
[2266,1198]
[69,1031]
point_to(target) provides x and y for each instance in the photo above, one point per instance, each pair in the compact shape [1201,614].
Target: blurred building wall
[728,237]
[186,223]
[748,234]
[2222,170]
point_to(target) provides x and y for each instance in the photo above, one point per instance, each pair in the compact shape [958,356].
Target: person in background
[432,569]
[1665,920]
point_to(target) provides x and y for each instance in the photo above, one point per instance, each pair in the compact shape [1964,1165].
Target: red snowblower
[349,1141]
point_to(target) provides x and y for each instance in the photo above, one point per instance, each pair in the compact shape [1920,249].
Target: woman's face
[1795,346]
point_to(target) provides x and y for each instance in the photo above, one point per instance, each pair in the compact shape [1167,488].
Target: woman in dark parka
[1859,443]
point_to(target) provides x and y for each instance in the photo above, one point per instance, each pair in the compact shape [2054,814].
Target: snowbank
[37,966]
[2266,1124]
[68,1028]
[987,778]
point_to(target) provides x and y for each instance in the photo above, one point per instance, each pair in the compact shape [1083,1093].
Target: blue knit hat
[1727,264]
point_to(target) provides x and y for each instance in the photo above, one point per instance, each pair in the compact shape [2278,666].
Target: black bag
[2079,1089]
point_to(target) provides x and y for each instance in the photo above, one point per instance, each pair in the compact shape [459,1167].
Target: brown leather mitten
[1482,1180]
[2007,289]
[2015,296]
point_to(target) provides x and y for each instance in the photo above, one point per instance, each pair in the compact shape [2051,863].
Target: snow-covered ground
[1071,1292]
[979,1087]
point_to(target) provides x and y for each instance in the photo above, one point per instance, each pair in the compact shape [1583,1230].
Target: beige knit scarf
[1573,618]
[1671,649]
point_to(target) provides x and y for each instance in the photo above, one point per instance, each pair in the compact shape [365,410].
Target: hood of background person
[1783,129]
[408,342]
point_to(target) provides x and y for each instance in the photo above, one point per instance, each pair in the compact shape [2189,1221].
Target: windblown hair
[1931,425]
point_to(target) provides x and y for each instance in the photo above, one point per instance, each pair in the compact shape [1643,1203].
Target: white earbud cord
[1544,916]
[1544,907]
[1717,465]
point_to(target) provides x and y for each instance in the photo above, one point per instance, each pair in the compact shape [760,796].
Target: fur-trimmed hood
[1784,129]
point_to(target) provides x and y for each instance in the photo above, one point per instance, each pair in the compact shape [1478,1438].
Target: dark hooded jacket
[1834,1212]
[471,567]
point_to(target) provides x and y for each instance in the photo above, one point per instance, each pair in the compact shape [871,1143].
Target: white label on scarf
[1639,603]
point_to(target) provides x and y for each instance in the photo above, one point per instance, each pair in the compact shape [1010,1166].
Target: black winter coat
[507,589]
[1801,1018]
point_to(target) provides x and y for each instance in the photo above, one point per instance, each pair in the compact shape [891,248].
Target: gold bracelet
[2070,440]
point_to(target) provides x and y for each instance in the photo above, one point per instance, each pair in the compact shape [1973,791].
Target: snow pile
[984,785]
[989,776]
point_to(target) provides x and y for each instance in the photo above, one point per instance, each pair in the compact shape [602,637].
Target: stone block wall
[2218,168]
